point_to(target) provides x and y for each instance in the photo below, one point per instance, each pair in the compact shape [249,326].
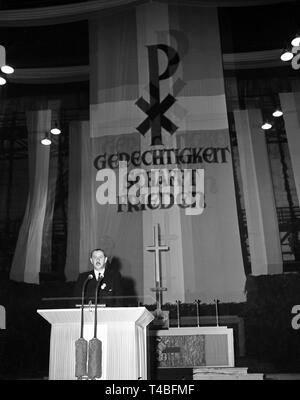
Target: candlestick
[178,313]
[217,311]
[197,309]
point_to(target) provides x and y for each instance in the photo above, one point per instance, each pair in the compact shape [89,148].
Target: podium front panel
[62,349]
[123,332]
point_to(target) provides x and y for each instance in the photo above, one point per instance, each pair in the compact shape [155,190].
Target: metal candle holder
[217,311]
[178,313]
[197,310]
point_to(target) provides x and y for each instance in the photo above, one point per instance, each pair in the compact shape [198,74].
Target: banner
[159,154]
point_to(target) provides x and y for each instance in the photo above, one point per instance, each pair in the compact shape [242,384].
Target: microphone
[95,346]
[81,343]
[90,276]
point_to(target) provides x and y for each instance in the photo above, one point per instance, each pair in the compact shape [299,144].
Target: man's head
[98,259]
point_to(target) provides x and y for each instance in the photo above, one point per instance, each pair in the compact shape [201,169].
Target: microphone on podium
[95,346]
[81,343]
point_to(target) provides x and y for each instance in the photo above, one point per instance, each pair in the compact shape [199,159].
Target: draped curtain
[33,249]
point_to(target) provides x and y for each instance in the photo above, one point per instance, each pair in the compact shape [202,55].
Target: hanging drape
[204,258]
[33,250]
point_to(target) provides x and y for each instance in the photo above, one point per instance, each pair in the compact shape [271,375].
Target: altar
[186,347]
[192,347]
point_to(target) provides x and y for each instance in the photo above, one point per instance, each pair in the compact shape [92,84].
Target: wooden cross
[157,248]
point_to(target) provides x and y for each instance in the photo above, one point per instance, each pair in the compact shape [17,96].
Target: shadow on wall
[26,343]
[128,285]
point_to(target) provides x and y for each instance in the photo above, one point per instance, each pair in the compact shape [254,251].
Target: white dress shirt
[98,274]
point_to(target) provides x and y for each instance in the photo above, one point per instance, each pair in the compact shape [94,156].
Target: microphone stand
[95,346]
[217,311]
[81,343]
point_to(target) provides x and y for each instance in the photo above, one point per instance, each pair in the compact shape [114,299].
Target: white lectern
[123,332]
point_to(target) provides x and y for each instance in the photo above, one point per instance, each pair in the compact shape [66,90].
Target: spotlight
[55,130]
[286,55]
[277,113]
[46,141]
[266,125]
[296,40]
[2,81]
[7,69]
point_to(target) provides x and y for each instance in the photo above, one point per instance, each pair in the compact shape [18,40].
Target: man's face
[98,260]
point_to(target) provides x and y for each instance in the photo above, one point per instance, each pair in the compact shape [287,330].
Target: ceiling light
[7,69]
[46,141]
[277,113]
[286,55]
[55,130]
[296,40]
[266,125]
[2,81]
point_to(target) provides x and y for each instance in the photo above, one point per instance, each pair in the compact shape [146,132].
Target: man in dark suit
[110,287]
